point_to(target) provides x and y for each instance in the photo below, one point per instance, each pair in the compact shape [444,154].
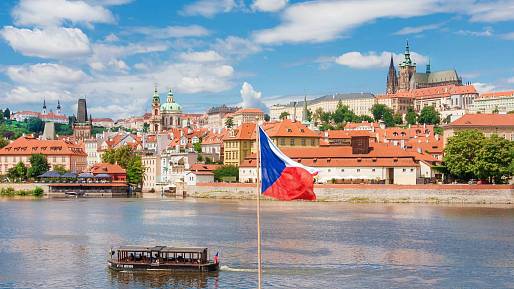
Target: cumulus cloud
[372,59]
[237,47]
[251,97]
[21,94]
[170,31]
[44,73]
[56,12]
[201,56]
[111,38]
[269,5]
[209,8]
[112,54]
[418,29]
[486,32]
[51,42]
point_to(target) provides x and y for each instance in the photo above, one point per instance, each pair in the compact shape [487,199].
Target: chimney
[294,111]
[436,137]
[360,144]
[419,150]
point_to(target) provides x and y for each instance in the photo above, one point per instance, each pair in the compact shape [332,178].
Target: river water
[64,243]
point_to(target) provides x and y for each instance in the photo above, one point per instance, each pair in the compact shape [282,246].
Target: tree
[325,117]
[60,169]
[309,115]
[267,117]
[364,117]
[35,125]
[317,114]
[496,110]
[1,116]
[493,159]
[227,171]
[135,171]
[18,172]
[343,114]
[229,122]
[38,165]
[197,147]
[461,152]
[429,115]
[284,115]
[127,158]
[378,111]
[3,142]
[7,113]
[411,116]
[388,118]
[146,127]
[199,158]
[397,119]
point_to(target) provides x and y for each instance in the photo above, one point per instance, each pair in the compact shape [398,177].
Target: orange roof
[30,145]
[52,115]
[288,128]
[472,120]
[246,131]
[203,168]
[497,94]
[354,125]
[107,168]
[436,91]
[102,120]
[344,134]
[248,110]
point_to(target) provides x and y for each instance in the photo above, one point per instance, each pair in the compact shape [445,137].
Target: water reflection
[163,279]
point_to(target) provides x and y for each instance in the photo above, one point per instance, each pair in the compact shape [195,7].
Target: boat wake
[230,269]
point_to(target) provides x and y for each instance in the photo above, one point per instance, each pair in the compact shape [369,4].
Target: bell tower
[407,70]
[155,121]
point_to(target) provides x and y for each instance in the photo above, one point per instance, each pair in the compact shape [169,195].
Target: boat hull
[178,267]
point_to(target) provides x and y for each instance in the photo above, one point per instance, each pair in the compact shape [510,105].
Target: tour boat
[161,258]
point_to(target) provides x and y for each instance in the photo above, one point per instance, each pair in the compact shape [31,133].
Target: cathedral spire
[170,99]
[407,60]
[155,97]
[44,106]
[392,78]
[428,66]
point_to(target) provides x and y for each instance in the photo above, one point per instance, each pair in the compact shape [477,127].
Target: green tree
[496,110]
[197,147]
[135,171]
[493,159]
[411,116]
[60,169]
[35,125]
[229,122]
[364,117]
[309,115]
[317,115]
[429,115]
[208,160]
[267,117]
[343,114]
[460,154]
[397,119]
[38,165]
[388,118]
[378,111]
[3,142]
[1,116]
[199,158]
[146,127]
[326,117]
[284,115]
[7,113]
[18,172]
[227,171]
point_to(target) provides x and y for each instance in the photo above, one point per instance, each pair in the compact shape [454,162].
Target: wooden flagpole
[258,195]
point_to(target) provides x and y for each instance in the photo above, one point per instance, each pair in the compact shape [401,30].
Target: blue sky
[247,52]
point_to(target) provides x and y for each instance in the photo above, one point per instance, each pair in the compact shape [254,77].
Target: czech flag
[283,178]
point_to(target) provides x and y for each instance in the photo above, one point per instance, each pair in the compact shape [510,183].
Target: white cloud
[209,8]
[119,65]
[418,29]
[508,36]
[355,59]
[45,74]
[484,87]
[201,56]
[56,12]
[492,11]
[487,32]
[251,97]
[21,94]
[319,21]
[510,80]
[47,43]
[111,38]
[171,31]
[237,47]
[269,5]
[112,54]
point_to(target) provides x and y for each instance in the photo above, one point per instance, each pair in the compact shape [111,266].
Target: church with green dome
[167,115]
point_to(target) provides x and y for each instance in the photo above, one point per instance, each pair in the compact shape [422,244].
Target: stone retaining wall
[489,194]
[24,186]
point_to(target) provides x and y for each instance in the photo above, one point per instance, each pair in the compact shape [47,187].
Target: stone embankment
[472,194]
[24,186]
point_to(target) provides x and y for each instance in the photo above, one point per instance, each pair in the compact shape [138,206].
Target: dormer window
[289,130]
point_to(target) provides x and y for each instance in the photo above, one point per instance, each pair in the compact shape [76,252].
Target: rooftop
[26,145]
[484,120]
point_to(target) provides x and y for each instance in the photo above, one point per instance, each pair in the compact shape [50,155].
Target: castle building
[408,78]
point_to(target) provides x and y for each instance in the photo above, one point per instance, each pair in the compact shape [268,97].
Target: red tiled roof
[102,120]
[472,120]
[496,94]
[245,131]
[30,145]
[435,92]
[288,128]
[248,110]
[203,168]
[107,168]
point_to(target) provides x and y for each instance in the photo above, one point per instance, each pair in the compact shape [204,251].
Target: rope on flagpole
[258,195]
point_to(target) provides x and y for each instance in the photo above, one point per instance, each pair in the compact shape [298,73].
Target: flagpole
[258,195]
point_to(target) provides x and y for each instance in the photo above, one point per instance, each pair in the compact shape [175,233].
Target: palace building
[408,78]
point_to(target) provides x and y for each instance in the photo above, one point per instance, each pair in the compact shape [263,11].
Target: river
[64,243]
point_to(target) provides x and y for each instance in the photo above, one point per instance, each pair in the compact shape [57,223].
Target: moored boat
[161,258]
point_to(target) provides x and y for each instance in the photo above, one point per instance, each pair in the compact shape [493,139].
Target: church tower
[44,111]
[392,79]
[58,107]
[155,121]
[407,70]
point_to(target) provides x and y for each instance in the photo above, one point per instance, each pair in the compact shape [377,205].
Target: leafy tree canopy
[429,115]
[38,165]
[226,171]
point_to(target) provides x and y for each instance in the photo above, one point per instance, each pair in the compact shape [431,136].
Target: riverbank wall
[24,186]
[476,194]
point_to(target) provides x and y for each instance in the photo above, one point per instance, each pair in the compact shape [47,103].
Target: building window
[303,142]
[283,141]
[411,170]
[358,170]
[404,170]
[373,170]
[291,142]
[313,142]
[342,170]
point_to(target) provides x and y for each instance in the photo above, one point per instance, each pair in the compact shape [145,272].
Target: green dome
[171,107]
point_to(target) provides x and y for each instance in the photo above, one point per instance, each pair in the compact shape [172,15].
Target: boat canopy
[50,174]
[163,249]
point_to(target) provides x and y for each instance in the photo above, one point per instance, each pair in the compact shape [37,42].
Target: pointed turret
[58,107]
[407,60]
[155,97]
[305,111]
[392,78]
[170,99]
[44,107]
[428,66]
